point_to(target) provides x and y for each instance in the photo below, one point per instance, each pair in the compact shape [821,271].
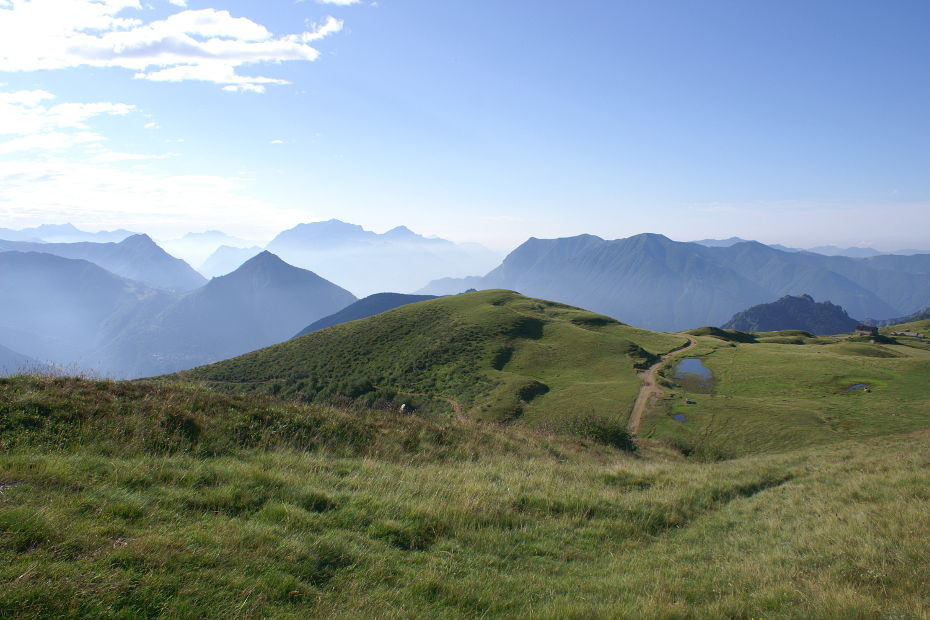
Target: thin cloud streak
[207,45]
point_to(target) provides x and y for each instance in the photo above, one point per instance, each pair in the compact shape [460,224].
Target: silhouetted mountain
[799,313]
[56,309]
[63,233]
[263,302]
[136,257]
[364,308]
[366,262]
[653,282]
[227,259]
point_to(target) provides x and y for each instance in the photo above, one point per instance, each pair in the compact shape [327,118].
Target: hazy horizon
[798,124]
[178,234]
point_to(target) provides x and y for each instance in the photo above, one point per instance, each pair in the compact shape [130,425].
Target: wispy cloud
[206,45]
[30,122]
[111,195]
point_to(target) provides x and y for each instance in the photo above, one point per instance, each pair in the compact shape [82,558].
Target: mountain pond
[694,376]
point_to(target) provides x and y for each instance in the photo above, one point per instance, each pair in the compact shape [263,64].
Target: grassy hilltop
[496,354]
[154,500]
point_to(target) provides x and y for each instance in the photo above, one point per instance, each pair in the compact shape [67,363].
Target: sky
[802,122]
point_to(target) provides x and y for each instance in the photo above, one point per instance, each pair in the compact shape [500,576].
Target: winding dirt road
[650,388]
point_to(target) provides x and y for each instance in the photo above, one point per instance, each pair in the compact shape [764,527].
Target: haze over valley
[144,312]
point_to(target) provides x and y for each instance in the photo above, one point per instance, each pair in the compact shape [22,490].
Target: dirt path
[650,388]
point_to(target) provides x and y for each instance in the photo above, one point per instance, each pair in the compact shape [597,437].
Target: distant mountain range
[826,250]
[366,262]
[74,313]
[794,313]
[137,257]
[364,308]
[653,282]
[63,233]
[197,247]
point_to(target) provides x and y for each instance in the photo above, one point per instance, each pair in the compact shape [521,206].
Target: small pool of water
[680,417]
[858,386]
[694,376]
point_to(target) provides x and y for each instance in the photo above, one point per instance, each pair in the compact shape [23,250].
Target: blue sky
[788,121]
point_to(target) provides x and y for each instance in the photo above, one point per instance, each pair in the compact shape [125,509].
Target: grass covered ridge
[98,518]
[501,356]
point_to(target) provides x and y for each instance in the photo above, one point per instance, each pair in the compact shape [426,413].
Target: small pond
[694,376]
[680,417]
[858,386]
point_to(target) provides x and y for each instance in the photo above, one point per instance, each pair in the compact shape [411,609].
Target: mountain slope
[56,308]
[646,280]
[498,355]
[794,313]
[263,302]
[364,308]
[12,362]
[136,257]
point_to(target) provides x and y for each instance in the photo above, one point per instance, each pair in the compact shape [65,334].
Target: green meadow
[288,483]
[787,390]
[143,500]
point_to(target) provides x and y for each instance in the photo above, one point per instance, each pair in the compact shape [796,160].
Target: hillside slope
[497,354]
[798,313]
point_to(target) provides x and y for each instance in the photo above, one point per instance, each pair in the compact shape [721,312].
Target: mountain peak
[263,258]
[138,239]
[400,231]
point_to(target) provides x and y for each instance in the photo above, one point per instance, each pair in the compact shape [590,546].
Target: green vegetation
[789,390]
[501,356]
[509,487]
[152,500]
